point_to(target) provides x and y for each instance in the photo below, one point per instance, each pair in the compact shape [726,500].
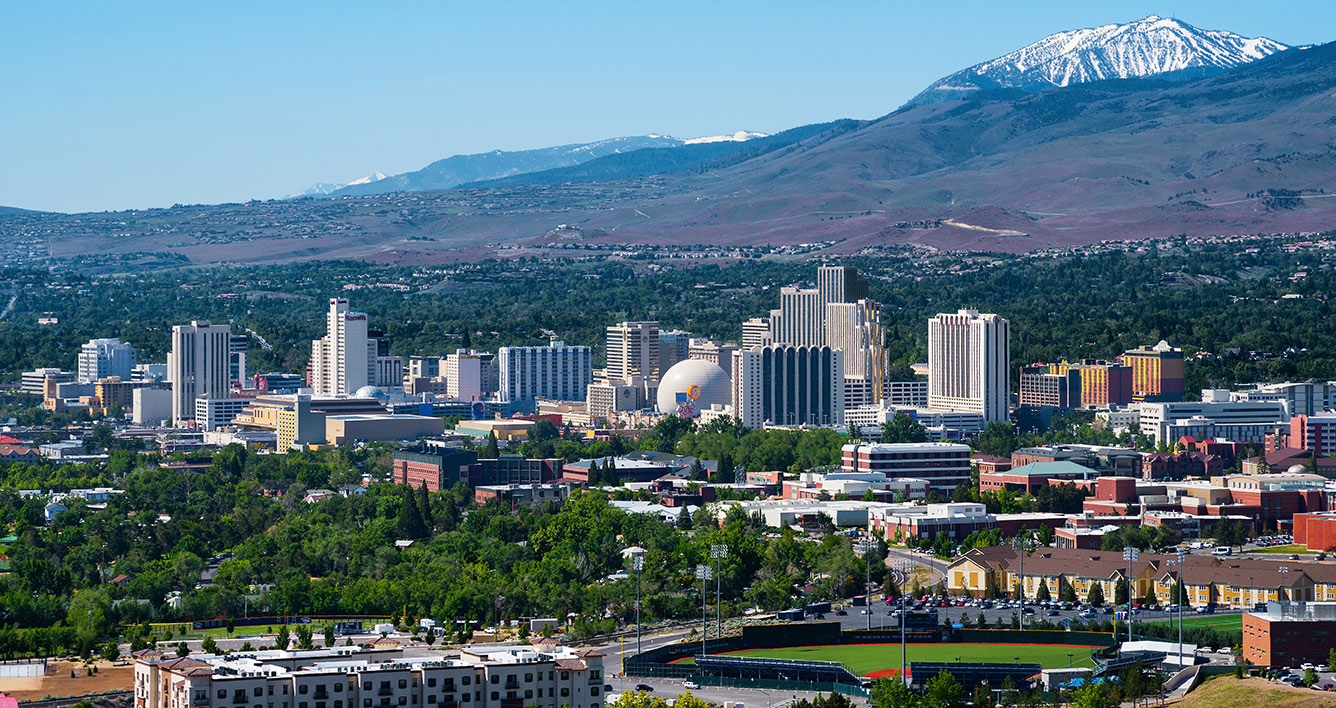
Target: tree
[304,636]
[283,638]
[1095,598]
[1149,598]
[491,450]
[1043,595]
[944,691]
[112,651]
[697,471]
[329,634]
[424,506]
[893,693]
[1066,593]
[1331,660]
[1046,535]
[903,429]
[684,520]
[182,650]
[209,645]
[1122,592]
[1091,695]
[1310,677]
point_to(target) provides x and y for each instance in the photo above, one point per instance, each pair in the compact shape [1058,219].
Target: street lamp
[1182,568]
[704,573]
[718,552]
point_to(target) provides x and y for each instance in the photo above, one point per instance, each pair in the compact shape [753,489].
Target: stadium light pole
[1019,545]
[1131,555]
[703,572]
[904,665]
[1182,568]
[718,552]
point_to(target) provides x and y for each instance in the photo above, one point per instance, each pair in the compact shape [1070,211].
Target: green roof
[1057,468]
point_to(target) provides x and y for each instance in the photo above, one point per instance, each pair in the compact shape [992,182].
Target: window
[338,687]
[366,703]
[593,690]
[496,696]
[366,685]
[271,689]
[528,678]
[303,689]
[403,700]
[431,698]
[222,693]
[403,683]
[565,676]
[565,692]
[467,680]
[496,678]
[431,682]
[528,694]
[466,698]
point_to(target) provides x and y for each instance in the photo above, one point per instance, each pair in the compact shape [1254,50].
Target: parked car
[690,685]
[644,688]
[841,612]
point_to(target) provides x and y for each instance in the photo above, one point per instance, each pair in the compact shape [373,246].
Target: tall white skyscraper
[800,319]
[969,359]
[100,358]
[463,375]
[556,372]
[197,365]
[633,352]
[343,360]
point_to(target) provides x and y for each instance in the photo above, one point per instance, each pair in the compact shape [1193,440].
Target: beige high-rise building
[633,352]
[463,375]
[969,361]
[800,320]
[756,333]
[344,360]
[840,284]
[197,365]
[718,353]
[855,328]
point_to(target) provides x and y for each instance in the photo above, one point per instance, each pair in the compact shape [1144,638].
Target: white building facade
[198,365]
[969,359]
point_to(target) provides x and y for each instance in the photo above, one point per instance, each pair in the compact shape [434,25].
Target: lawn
[868,659]
[1298,548]
[1252,693]
[1225,623]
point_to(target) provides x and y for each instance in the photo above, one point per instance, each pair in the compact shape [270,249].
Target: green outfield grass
[1224,623]
[866,659]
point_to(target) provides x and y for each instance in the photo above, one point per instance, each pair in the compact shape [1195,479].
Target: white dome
[693,385]
[370,392]
[1297,469]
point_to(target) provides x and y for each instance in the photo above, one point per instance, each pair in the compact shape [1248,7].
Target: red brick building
[1179,465]
[1316,530]
[1295,634]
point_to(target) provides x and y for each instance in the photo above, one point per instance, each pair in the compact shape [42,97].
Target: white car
[1224,650]
[691,685]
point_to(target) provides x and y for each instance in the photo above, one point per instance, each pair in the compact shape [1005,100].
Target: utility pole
[703,572]
[718,552]
[867,585]
[1131,555]
[904,667]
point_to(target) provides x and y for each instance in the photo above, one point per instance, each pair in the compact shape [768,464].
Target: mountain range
[1008,167]
[499,164]
[1153,46]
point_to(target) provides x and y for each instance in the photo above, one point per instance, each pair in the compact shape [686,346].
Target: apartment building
[347,677]
[944,465]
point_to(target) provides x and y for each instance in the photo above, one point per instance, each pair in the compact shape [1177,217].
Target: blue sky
[133,105]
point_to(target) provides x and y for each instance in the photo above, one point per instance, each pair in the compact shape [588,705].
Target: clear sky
[109,105]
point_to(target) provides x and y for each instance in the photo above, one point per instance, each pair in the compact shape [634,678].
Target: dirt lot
[57,681]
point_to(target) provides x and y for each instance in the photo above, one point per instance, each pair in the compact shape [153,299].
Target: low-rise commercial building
[944,465]
[340,429]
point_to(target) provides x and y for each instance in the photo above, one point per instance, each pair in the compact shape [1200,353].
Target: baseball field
[874,660]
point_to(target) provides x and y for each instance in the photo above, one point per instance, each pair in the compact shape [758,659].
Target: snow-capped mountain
[740,136]
[320,189]
[1153,46]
